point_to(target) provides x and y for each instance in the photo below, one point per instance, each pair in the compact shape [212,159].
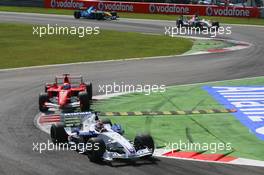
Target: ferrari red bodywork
[67,92]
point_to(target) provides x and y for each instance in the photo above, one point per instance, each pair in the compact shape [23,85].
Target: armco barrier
[157,8]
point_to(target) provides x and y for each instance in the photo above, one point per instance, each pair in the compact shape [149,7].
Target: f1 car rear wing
[66,78]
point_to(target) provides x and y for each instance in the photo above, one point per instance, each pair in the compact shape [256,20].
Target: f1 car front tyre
[84,101]
[43,98]
[89,90]
[144,140]
[58,134]
[77,15]
[97,149]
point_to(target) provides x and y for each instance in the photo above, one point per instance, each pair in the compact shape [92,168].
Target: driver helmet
[99,126]
[196,16]
[66,86]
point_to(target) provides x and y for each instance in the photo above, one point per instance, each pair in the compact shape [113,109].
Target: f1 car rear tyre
[97,149]
[43,98]
[216,25]
[179,23]
[144,140]
[77,15]
[84,101]
[106,121]
[89,90]
[198,26]
[58,134]
[113,13]
[99,16]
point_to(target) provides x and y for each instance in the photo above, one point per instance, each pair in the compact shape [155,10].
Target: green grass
[211,128]
[19,47]
[227,20]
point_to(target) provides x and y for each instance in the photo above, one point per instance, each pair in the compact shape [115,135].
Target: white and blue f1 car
[105,140]
[196,22]
[93,13]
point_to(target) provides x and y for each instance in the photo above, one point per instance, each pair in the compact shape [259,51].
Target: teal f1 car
[93,13]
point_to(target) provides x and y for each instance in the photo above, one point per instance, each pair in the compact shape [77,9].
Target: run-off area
[249,102]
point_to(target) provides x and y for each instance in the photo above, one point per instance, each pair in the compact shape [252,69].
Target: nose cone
[63,96]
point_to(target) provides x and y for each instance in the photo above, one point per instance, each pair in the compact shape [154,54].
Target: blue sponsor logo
[249,102]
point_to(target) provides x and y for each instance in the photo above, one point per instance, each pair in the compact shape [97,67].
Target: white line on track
[243,96]
[253,113]
[246,99]
[252,109]
[242,93]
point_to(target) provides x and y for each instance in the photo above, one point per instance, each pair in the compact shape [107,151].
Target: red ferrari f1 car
[66,93]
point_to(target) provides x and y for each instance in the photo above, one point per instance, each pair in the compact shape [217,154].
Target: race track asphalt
[19,91]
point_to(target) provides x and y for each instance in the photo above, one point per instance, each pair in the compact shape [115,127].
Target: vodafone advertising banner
[157,8]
